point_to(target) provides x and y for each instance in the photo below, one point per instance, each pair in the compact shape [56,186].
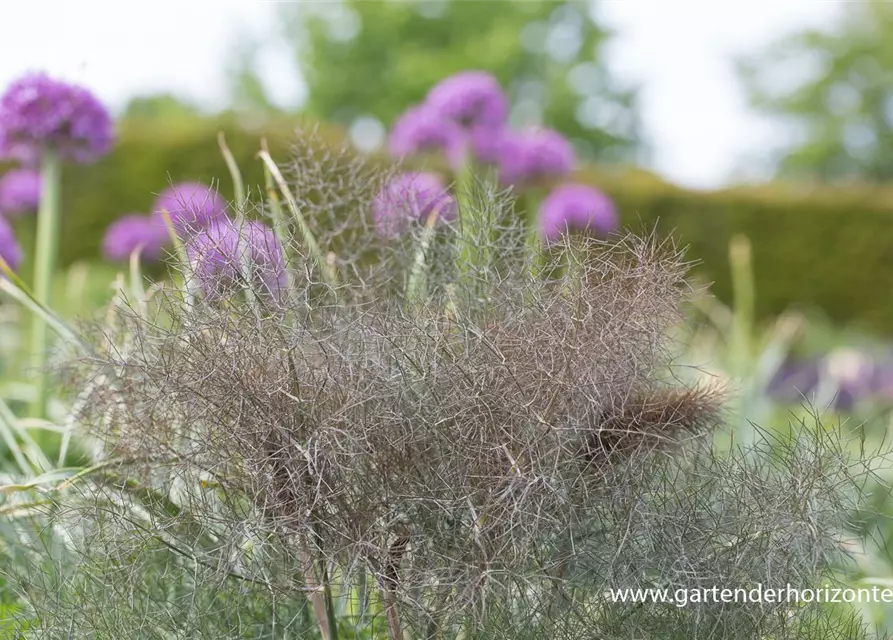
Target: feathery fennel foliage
[351,459]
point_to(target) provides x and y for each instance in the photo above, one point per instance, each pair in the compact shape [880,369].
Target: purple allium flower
[851,373]
[576,206]
[10,250]
[882,379]
[219,254]
[470,98]
[19,192]
[38,113]
[192,206]
[411,197]
[422,129]
[487,143]
[133,230]
[795,380]
[533,154]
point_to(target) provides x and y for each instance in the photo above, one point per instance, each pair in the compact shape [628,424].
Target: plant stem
[307,236]
[45,265]
[535,248]
[232,165]
[473,255]
[417,284]
[317,596]
[743,302]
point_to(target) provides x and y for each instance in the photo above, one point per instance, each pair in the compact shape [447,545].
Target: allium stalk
[473,257]
[235,174]
[44,266]
[307,236]
[534,238]
[275,207]
[417,284]
[46,120]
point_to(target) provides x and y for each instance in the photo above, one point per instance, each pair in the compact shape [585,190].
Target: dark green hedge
[814,247]
[830,248]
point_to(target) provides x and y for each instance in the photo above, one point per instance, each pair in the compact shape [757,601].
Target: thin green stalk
[44,267]
[535,246]
[273,202]
[417,285]
[473,253]
[468,223]
[307,236]
[137,290]
[743,302]
[238,184]
[12,285]
[576,266]
[241,201]
[274,205]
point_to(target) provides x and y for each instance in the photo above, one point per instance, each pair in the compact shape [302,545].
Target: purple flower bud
[131,231]
[421,129]
[192,207]
[19,192]
[411,197]
[533,154]
[219,253]
[470,98]
[10,250]
[576,206]
[39,113]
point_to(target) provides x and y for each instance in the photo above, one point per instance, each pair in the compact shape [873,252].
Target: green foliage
[162,106]
[376,58]
[840,99]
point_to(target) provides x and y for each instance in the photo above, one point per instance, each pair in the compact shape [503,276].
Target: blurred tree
[834,90]
[160,106]
[247,90]
[365,61]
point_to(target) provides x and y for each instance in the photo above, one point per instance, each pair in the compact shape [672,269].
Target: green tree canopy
[371,59]
[835,91]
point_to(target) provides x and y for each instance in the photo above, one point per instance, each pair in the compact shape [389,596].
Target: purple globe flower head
[470,98]
[19,192]
[411,197]
[192,206]
[576,206]
[133,231]
[534,154]
[220,253]
[487,143]
[10,250]
[421,129]
[38,113]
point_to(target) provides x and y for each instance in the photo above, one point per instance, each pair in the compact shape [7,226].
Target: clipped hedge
[824,247]
[830,248]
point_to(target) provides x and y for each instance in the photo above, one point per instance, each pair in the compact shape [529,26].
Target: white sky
[679,50]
